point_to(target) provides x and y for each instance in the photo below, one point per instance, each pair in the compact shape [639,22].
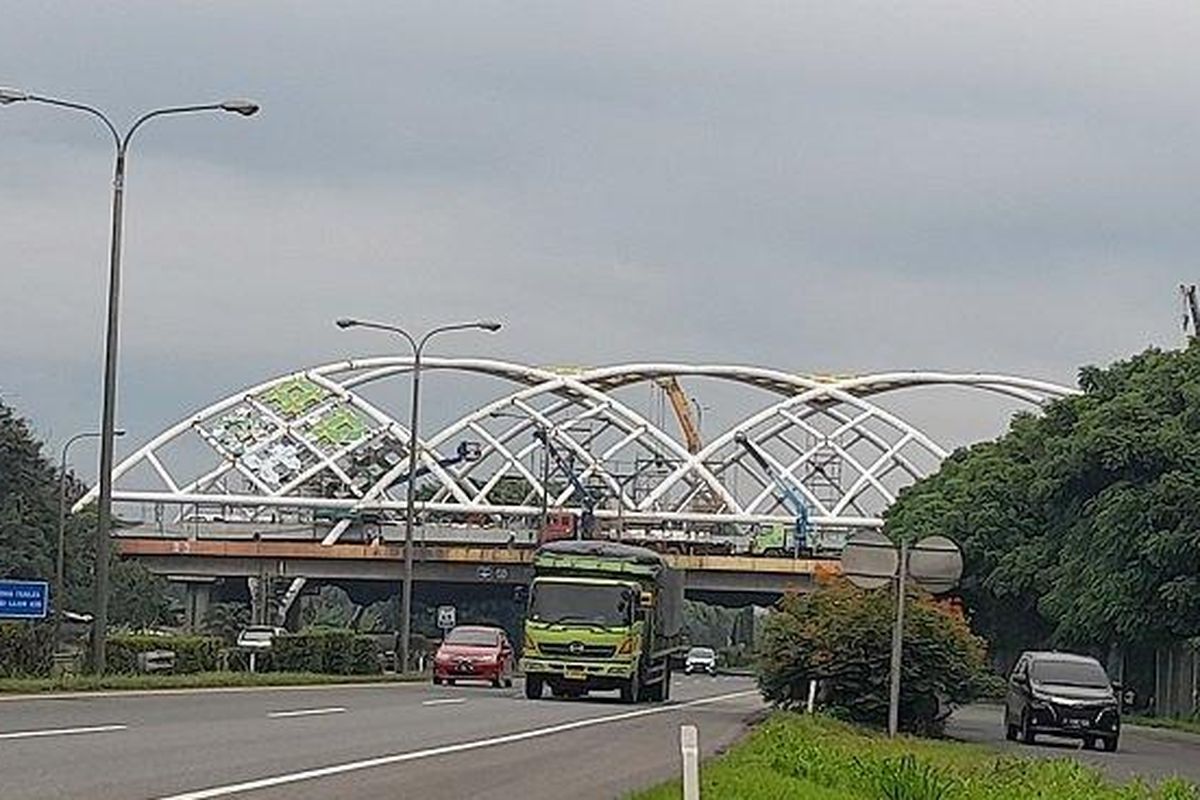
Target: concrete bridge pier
[196,599]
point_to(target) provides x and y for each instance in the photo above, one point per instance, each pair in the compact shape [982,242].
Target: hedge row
[192,653]
[25,649]
[332,652]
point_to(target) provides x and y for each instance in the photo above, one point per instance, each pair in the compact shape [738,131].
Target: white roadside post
[689,748]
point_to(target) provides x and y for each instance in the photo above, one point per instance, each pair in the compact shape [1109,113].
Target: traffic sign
[24,599]
[936,564]
[870,560]
[446,617]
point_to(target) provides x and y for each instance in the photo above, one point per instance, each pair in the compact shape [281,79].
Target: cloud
[834,188]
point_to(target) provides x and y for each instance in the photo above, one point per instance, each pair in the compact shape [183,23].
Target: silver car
[700,659]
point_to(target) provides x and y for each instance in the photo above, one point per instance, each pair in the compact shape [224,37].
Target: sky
[820,187]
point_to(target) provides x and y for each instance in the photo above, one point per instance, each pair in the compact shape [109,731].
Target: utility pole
[1191,311]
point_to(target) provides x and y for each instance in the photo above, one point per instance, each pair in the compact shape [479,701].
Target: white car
[700,659]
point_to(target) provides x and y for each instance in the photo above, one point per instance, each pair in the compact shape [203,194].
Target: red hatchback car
[474,652]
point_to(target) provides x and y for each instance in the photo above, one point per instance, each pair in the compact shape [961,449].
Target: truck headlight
[626,646]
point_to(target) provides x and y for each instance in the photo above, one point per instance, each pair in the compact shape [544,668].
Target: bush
[192,653]
[841,636]
[332,652]
[25,649]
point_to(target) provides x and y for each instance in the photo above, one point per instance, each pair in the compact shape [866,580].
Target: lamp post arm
[458,326]
[162,112]
[95,112]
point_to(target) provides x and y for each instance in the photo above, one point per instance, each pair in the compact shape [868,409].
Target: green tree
[1081,526]
[29,487]
[840,636]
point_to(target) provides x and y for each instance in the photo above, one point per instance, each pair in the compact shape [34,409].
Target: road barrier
[156,661]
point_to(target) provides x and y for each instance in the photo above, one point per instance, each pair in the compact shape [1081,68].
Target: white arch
[557,398]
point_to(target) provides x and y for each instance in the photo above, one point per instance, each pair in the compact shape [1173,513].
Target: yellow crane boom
[683,412]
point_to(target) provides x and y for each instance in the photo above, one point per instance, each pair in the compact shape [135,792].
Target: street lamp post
[121,142]
[417,346]
[59,571]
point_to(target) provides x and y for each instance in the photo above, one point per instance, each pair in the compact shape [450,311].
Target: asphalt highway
[370,741]
[1146,752]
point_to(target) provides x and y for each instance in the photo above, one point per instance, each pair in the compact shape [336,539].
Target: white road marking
[306,712]
[123,693]
[460,747]
[61,732]
[445,701]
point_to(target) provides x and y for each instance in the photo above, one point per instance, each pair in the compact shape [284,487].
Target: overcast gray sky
[812,186]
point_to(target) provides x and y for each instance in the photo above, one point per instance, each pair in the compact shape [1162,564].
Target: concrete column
[292,620]
[1115,666]
[197,597]
[259,600]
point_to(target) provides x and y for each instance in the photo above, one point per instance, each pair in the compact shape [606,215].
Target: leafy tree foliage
[29,488]
[226,620]
[1080,527]
[840,636]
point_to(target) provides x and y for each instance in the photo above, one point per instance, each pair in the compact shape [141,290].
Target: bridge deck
[151,547]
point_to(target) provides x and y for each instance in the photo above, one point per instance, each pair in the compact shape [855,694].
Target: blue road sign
[24,599]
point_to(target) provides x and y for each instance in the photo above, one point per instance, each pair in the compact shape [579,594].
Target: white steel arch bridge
[311,443]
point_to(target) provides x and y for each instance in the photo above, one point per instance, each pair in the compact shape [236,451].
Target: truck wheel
[663,693]
[631,689]
[533,687]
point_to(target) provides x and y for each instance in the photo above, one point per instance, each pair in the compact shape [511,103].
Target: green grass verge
[198,680]
[816,758]
[1189,724]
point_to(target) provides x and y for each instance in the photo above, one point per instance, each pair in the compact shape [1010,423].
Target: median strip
[61,732]
[461,747]
[306,712]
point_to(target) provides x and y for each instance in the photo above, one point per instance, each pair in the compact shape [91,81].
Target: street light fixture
[417,346]
[108,413]
[59,577]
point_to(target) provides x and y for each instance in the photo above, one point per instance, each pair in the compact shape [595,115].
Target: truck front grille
[577,650]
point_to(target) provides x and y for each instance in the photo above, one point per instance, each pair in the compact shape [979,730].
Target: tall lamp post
[121,142]
[417,346]
[59,576]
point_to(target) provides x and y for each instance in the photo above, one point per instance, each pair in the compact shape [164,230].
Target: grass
[1189,724]
[198,680]
[816,758]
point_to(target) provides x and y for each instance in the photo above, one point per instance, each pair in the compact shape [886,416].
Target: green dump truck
[602,615]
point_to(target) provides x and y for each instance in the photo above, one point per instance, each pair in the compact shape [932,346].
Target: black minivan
[1062,695]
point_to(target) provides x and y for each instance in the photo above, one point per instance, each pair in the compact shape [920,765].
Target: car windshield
[595,604]
[469,636]
[1069,673]
[700,652]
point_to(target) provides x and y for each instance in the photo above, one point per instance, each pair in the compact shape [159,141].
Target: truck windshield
[581,602]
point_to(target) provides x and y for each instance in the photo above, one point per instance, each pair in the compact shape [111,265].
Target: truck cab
[601,616]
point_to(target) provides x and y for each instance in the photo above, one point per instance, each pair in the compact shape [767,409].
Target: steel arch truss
[311,440]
